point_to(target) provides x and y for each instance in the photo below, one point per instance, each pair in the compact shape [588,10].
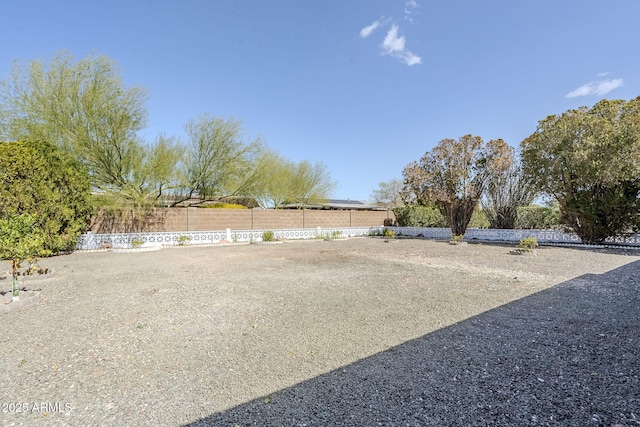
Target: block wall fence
[95,241]
[198,219]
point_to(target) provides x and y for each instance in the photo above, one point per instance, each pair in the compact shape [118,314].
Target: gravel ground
[356,332]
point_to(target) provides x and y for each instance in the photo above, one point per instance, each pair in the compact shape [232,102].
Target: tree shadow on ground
[566,356]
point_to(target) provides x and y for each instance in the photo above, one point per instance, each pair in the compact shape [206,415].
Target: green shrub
[389,233]
[183,240]
[479,220]
[538,218]
[21,240]
[53,189]
[268,236]
[419,216]
[528,244]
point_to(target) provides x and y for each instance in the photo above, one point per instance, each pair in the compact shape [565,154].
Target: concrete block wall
[325,219]
[266,220]
[369,218]
[195,219]
[218,219]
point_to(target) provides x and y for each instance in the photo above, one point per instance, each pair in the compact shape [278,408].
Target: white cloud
[409,8]
[596,88]
[411,58]
[366,31]
[394,45]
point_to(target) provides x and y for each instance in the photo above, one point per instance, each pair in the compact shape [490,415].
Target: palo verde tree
[311,184]
[218,161]
[506,192]
[281,181]
[454,176]
[84,108]
[273,189]
[588,159]
[41,181]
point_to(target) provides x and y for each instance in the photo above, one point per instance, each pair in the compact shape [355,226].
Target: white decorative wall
[91,241]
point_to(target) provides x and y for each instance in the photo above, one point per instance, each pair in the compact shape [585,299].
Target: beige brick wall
[194,219]
[370,218]
[267,220]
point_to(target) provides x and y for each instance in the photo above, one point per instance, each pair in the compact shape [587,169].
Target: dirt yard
[186,334]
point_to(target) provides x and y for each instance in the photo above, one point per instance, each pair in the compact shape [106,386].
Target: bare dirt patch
[179,334]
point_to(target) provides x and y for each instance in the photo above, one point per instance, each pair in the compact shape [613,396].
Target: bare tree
[388,194]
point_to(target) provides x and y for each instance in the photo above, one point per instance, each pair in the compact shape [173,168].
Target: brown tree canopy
[454,175]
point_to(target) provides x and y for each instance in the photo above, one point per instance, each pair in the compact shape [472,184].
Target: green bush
[419,216]
[528,244]
[479,220]
[389,233]
[268,236]
[20,240]
[52,188]
[538,218]
[430,216]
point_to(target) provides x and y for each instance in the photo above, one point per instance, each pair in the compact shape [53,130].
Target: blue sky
[364,86]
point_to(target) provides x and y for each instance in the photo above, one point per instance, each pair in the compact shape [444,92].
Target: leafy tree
[20,239]
[274,187]
[588,159]
[155,173]
[281,181]
[454,176]
[82,107]
[218,162]
[38,179]
[506,193]
[311,183]
[388,194]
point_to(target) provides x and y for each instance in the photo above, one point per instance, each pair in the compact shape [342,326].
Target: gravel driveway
[317,333]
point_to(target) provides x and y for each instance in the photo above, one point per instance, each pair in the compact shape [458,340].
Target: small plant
[458,239]
[389,233]
[137,243]
[183,240]
[20,240]
[528,244]
[268,236]
[336,234]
